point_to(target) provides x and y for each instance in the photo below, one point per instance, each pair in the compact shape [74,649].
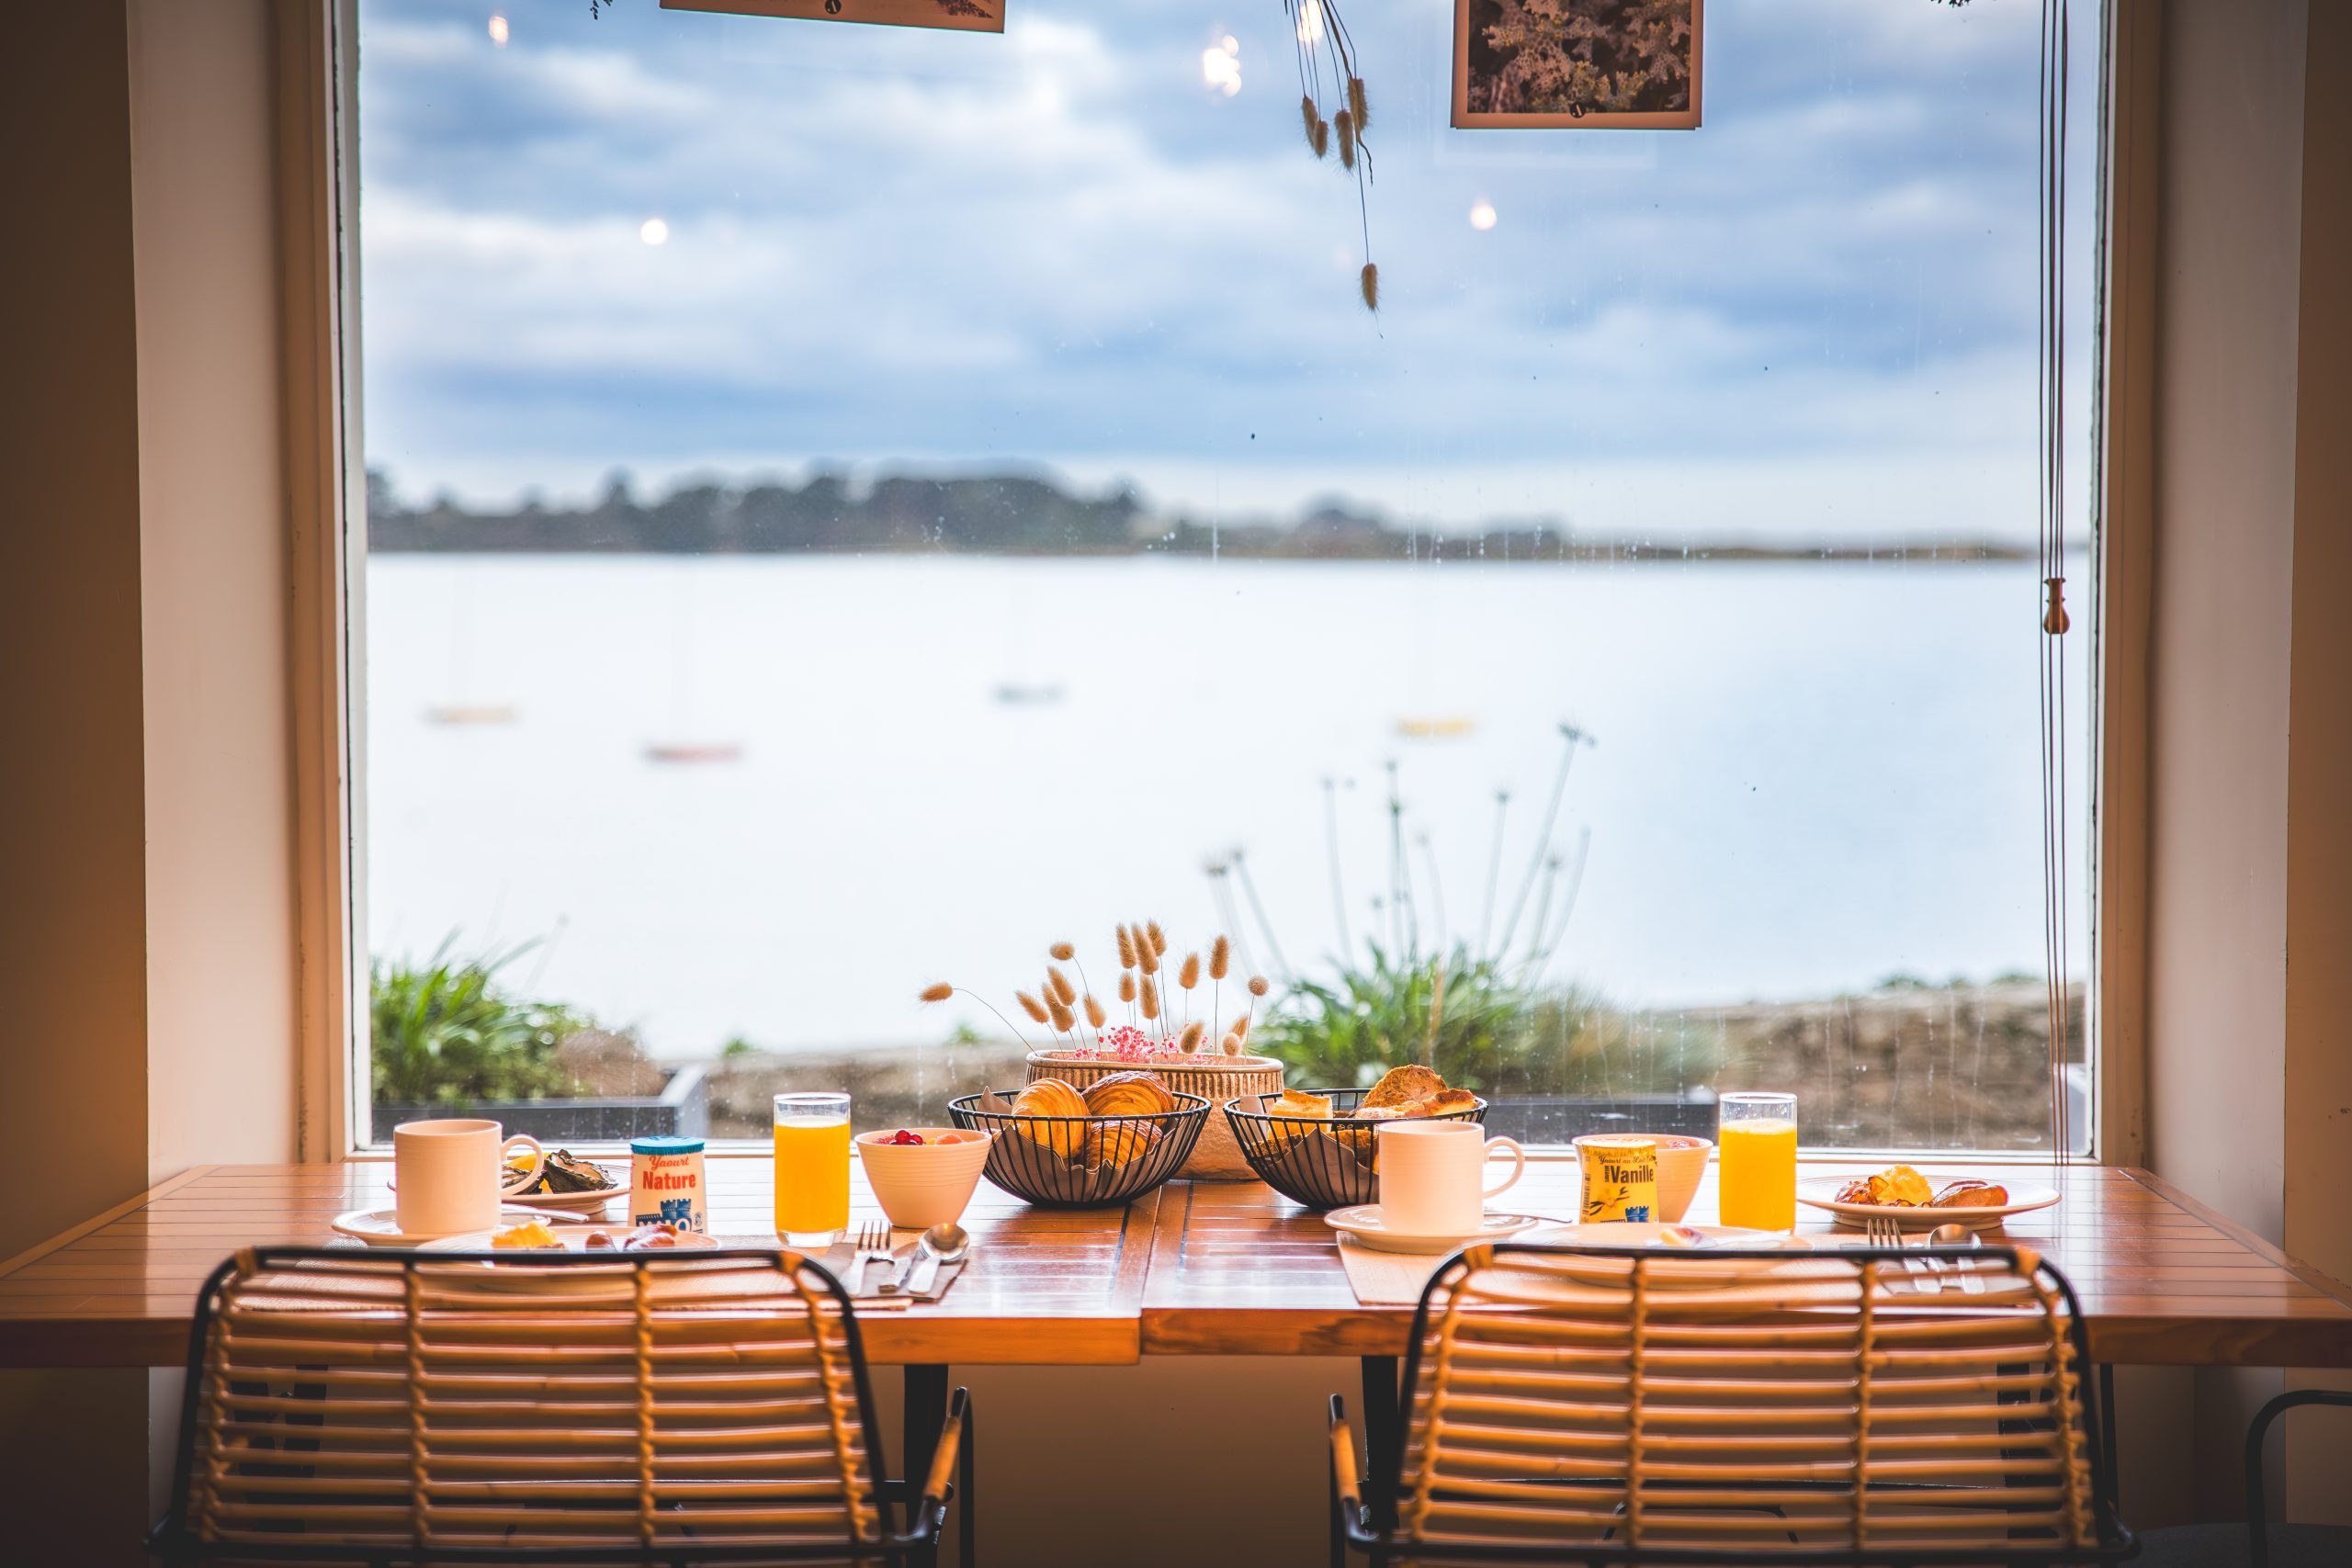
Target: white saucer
[1363,1223]
[559,1203]
[381,1228]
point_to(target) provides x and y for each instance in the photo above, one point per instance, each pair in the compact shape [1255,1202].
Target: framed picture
[1576,64]
[965,15]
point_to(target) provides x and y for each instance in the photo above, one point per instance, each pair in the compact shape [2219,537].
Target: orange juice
[811,1177]
[1758,1175]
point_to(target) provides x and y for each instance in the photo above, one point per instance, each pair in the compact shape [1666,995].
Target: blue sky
[1064,247]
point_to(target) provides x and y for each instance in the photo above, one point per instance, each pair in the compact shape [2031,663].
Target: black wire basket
[1324,1163]
[1083,1162]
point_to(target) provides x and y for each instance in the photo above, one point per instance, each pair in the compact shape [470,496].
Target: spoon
[1959,1236]
[941,1244]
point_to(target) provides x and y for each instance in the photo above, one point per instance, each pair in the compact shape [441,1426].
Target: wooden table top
[1238,1268]
[1209,1269]
[1055,1286]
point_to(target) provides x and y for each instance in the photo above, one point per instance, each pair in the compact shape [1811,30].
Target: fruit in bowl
[924,1176]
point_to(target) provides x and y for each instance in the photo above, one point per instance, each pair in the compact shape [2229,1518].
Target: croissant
[1051,1097]
[1401,1086]
[1129,1094]
[1118,1142]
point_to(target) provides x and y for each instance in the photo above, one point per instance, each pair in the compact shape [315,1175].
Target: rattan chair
[1617,1407]
[653,1407]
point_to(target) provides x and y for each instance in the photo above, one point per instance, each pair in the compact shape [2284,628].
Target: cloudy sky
[1067,247]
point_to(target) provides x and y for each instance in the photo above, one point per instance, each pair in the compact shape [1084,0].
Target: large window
[851,506]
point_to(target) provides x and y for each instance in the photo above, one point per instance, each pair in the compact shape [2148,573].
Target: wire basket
[1324,1163]
[1083,1162]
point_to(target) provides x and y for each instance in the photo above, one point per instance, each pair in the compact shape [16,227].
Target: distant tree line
[995,514]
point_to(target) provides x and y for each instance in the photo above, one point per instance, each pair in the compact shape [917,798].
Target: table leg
[922,1405]
[1384,1438]
[2111,1461]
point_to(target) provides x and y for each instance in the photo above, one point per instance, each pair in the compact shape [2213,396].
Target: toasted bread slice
[1402,1086]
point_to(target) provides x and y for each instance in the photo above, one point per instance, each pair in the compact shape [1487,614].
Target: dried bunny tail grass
[1220,958]
[1159,938]
[942,990]
[1259,985]
[1060,984]
[1310,118]
[1188,975]
[1033,1007]
[1345,124]
[1233,1044]
[1150,998]
[1358,105]
[1190,1040]
[1126,987]
[1095,1013]
[1065,1021]
[938,993]
[1064,951]
[1321,138]
[1370,282]
[1240,1030]
[1146,959]
[1126,949]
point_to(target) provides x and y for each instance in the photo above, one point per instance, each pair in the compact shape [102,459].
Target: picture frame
[957,15]
[1577,64]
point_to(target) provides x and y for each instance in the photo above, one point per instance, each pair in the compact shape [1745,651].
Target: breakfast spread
[1900,1186]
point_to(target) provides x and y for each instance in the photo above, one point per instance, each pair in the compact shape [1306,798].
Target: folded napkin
[836,1260]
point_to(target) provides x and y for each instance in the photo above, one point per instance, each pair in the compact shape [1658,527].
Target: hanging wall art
[1576,64]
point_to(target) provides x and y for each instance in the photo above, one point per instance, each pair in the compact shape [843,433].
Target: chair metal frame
[948,1480]
[1369,1524]
[2257,1510]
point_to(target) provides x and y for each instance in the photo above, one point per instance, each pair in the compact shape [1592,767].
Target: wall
[2247,886]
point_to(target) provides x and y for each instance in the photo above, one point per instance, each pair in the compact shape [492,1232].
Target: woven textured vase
[1216,1157]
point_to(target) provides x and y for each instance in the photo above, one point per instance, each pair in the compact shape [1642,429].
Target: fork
[873,1245]
[1880,1230]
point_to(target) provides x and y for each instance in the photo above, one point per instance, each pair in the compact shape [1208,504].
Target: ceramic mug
[1431,1176]
[450,1175]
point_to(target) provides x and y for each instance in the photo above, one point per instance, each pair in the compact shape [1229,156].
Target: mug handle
[1518,1164]
[510,1183]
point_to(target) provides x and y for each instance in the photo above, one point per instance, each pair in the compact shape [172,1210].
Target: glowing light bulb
[654,231]
[498,31]
[1482,216]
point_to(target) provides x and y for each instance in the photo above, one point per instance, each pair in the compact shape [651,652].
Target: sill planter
[1215,1079]
[680,1110]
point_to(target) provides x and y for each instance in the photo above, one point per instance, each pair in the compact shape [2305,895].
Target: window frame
[315,62]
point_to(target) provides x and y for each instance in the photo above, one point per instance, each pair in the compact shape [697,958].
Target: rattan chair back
[376,1405]
[1822,1407]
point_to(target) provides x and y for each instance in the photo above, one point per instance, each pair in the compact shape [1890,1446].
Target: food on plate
[564,1173]
[1900,1186]
[1129,1094]
[530,1233]
[1051,1097]
[1971,1194]
[1118,1142]
[1402,1086]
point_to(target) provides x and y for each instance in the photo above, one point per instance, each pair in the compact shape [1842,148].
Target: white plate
[1363,1223]
[1821,1192]
[381,1228]
[573,1237]
[560,1202]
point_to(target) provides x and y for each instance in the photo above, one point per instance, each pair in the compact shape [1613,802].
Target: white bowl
[919,1186]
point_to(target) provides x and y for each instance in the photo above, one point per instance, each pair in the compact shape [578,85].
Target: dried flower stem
[940,992]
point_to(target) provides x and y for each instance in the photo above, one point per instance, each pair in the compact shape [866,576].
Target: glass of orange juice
[1756,1135]
[811,1167]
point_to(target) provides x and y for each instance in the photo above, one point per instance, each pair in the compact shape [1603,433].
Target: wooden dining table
[1194,1269]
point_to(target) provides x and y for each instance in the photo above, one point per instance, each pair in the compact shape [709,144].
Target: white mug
[450,1175]
[1431,1173]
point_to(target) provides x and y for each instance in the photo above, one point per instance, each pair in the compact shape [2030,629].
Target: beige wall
[220,976]
[2250,1096]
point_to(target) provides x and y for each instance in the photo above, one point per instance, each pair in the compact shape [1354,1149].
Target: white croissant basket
[1216,1157]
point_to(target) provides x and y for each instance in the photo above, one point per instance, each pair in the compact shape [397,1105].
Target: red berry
[902,1137]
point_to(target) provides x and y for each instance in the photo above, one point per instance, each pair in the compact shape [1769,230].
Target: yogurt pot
[666,1186]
